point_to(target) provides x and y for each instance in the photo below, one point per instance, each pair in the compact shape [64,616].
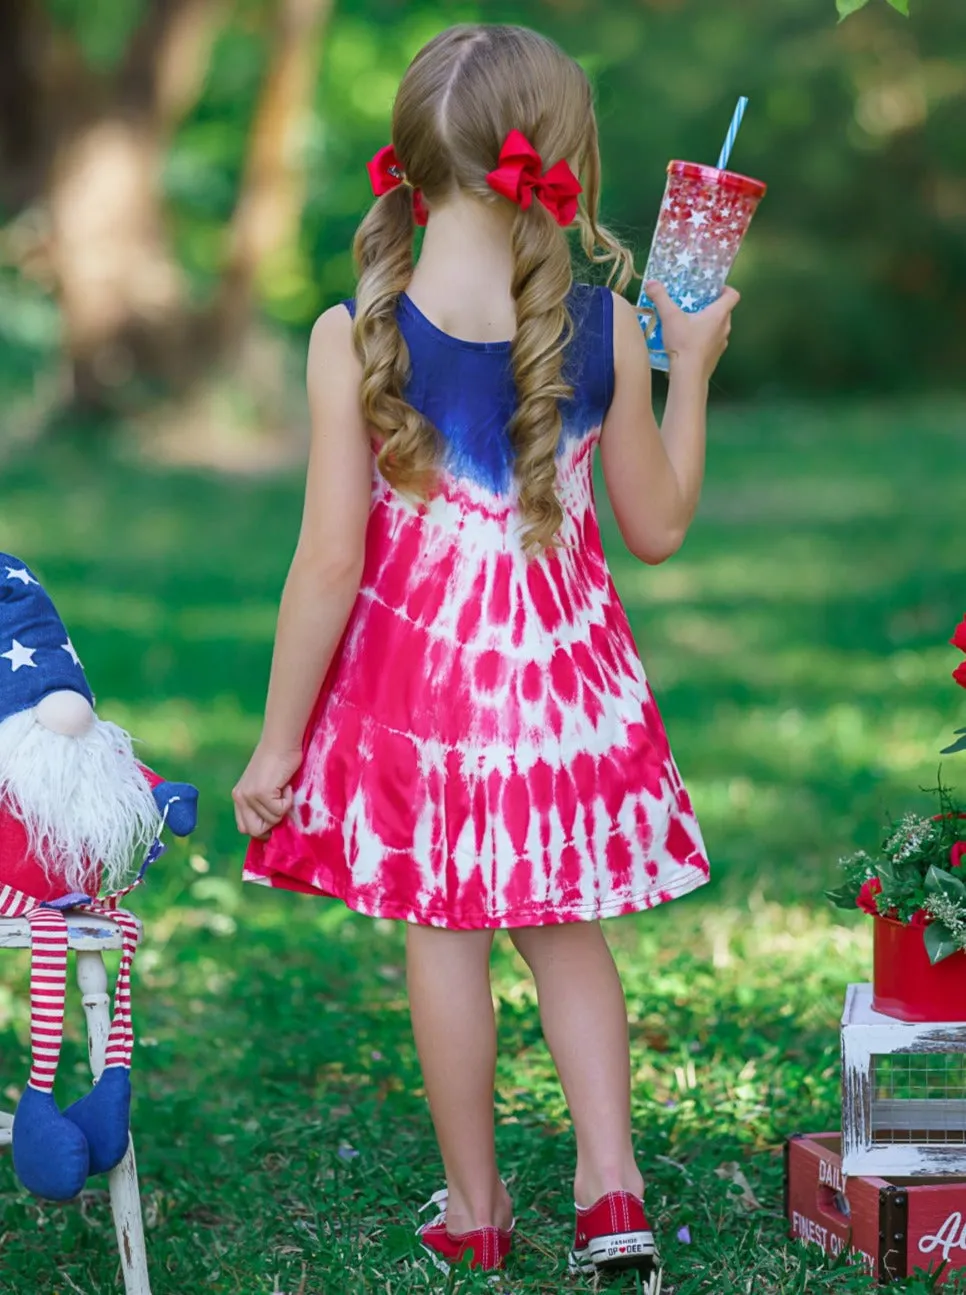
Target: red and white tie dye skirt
[486,751]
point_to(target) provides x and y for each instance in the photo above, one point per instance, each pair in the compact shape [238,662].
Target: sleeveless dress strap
[591,357]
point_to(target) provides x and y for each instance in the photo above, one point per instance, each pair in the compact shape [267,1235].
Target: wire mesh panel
[919,1098]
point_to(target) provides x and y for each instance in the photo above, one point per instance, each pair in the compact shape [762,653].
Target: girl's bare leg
[452,1013]
[584,1019]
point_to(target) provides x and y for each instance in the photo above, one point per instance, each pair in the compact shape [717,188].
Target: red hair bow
[521,177]
[385,174]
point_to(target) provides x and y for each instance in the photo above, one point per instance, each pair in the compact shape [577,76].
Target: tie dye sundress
[485,751]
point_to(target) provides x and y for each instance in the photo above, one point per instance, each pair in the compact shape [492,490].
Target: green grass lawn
[797,646]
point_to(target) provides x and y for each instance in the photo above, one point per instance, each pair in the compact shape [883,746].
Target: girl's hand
[264,794]
[697,341]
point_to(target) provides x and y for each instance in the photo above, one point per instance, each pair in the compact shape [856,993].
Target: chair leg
[92,981]
[122,1180]
[126,1206]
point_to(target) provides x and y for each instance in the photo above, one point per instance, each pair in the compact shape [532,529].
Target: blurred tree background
[180,181]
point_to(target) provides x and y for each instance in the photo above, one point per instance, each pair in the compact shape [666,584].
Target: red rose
[866,897]
[959,674]
[920,918]
[959,636]
[957,855]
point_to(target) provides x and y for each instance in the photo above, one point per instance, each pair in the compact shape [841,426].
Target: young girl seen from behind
[458,732]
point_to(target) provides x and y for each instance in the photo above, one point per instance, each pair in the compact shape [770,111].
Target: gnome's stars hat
[36,655]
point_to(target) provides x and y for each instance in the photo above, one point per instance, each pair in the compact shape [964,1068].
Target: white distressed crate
[903,1093]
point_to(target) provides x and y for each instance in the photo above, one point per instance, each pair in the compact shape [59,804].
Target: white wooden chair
[89,937]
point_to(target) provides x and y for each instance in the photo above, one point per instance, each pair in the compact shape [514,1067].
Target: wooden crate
[903,1092]
[891,1226]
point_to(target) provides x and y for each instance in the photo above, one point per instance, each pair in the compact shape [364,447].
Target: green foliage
[912,880]
[853,271]
[848,7]
[941,882]
[101,30]
[940,941]
[847,274]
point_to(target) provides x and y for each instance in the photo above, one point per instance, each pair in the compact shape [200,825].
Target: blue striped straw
[732,132]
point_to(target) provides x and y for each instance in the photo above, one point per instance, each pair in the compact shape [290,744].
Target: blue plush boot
[104,1116]
[180,801]
[50,1153]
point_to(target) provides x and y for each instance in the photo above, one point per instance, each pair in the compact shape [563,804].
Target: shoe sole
[652,1276]
[619,1252]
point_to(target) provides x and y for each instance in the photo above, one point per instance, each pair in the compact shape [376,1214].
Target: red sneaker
[613,1234]
[490,1246]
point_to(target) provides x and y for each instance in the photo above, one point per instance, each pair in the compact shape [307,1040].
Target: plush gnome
[78,816]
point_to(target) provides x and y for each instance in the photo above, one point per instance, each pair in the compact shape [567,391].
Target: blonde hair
[460,98]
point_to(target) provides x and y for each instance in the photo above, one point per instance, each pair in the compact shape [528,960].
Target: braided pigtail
[542,279]
[383,249]
[599,244]
[495,113]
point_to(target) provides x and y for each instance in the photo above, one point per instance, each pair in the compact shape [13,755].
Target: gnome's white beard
[83,800]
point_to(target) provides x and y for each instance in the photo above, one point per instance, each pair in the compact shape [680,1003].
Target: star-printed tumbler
[705,215]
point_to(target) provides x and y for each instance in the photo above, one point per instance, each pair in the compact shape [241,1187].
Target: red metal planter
[906,984]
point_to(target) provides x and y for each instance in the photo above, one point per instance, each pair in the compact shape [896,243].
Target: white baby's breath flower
[860,856]
[948,911]
[909,836]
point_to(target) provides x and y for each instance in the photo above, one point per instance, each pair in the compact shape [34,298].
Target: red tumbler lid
[726,179]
